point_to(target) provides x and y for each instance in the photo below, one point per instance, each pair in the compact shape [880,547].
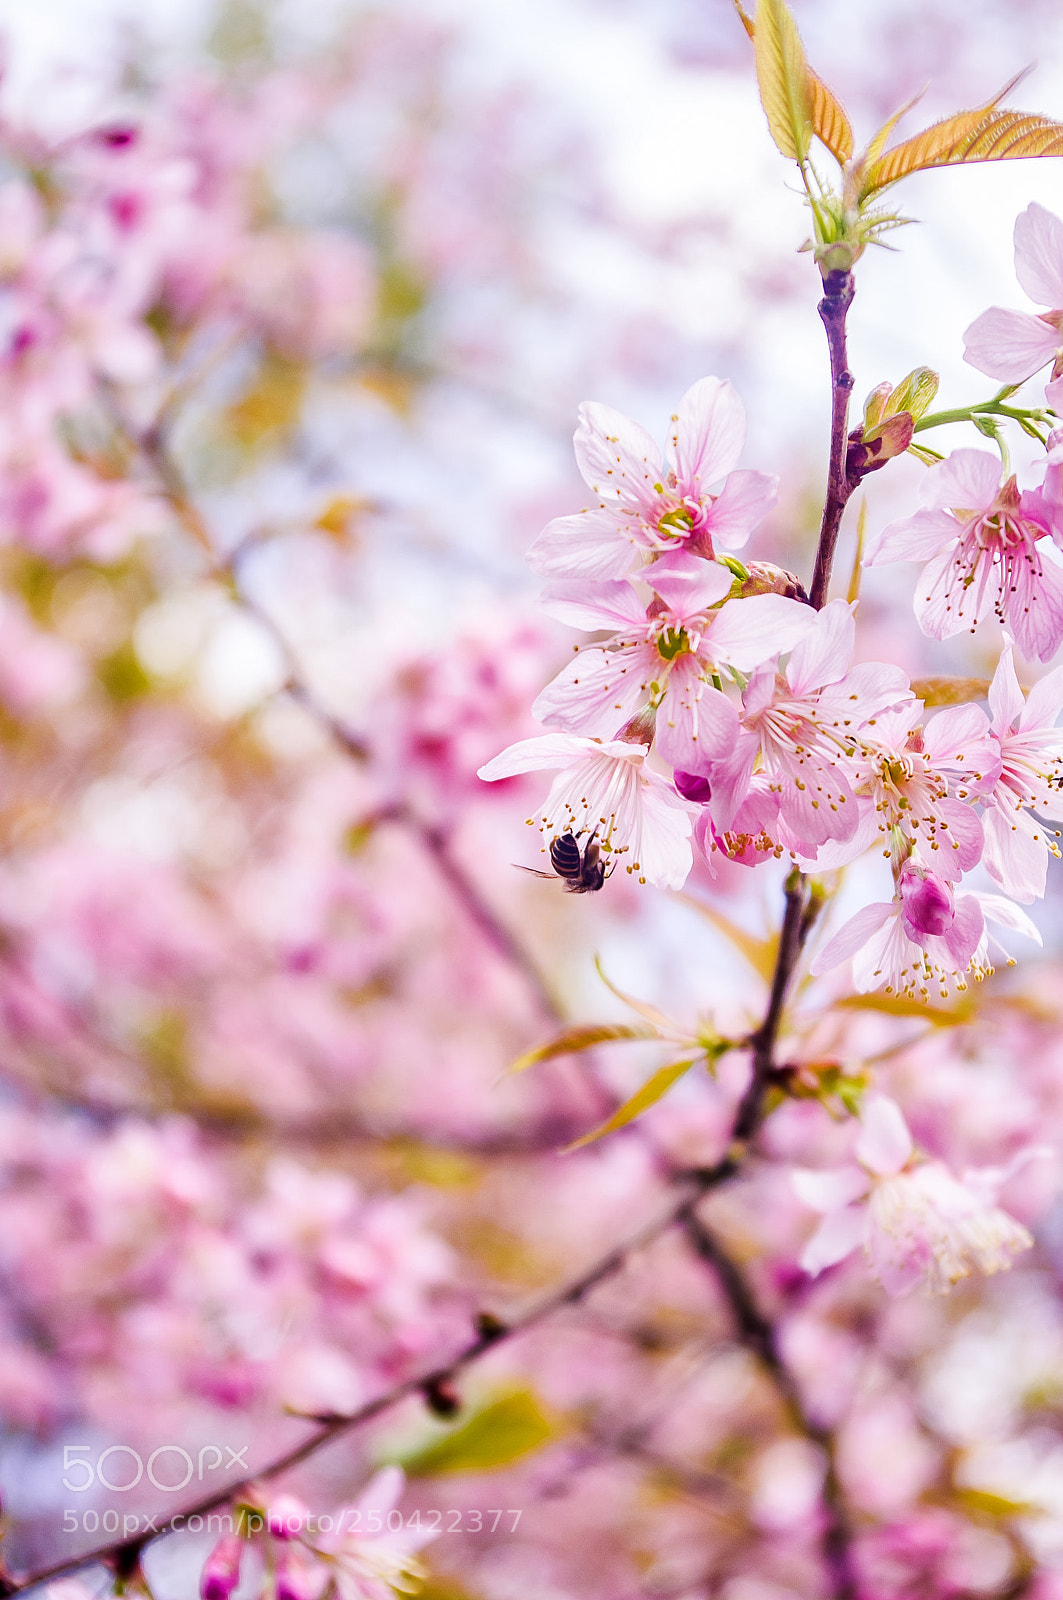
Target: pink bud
[286,1517]
[296,1577]
[692,786]
[927,906]
[221,1573]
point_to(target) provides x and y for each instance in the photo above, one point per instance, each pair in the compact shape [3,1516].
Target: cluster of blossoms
[777,743]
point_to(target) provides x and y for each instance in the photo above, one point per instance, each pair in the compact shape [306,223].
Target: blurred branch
[758,1335]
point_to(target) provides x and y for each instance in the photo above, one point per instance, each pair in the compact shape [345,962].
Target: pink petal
[590,544]
[960,840]
[688,584]
[1005,696]
[744,633]
[696,721]
[959,739]
[967,480]
[944,607]
[884,1144]
[997,909]
[1044,702]
[1035,608]
[742,504]
[730,778]
[837,1236]
[1039,255]
[1013,857]
[914,538]
[823,655]
[1009,345]
[852,937]
[598,691]
[965,935]
[707,435]
[591,606]
[531,755]
[830,1189]
[617,458]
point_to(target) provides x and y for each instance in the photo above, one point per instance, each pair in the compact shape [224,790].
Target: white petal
[884,1144]
[1005,696]
[1001,911]
[837,1236]
[530,755]
[831,1189]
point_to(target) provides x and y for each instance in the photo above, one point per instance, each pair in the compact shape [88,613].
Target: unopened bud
[692,786]
[870,448]
[221,1574]
[927,905]
[766,578]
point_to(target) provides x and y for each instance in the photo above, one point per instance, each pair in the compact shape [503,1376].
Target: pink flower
[607,790]
[668,654]
[645,507]
[1017,845]
[373,1564]
[916,1224]
[914,786]
[926,934]
[800,729]
[1012,345]
[980,539]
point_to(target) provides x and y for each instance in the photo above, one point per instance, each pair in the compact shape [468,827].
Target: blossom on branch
[645,507]
[916,1223]
[981,539]
[1013,345]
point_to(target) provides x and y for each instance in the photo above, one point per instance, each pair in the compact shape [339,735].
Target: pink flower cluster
[777,743]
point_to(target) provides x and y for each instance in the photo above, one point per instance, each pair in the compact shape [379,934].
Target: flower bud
[692,786]
[927,905]
[221,1572]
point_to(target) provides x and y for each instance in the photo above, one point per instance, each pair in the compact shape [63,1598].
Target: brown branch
[758,1335]
[834,308]
[688,1190]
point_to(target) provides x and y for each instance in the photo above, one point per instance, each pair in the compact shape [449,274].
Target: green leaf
[503,1431]
[656,1018]
[652,1091]
[782,75]
[583,1036]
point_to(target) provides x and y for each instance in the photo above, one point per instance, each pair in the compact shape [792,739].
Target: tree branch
[758,1335]
[834,308]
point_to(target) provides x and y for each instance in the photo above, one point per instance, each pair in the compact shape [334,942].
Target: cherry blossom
[647,508]
[982,541]
[1018,845]
[605,790]
[671,655]
[916,1223]
[1013,345]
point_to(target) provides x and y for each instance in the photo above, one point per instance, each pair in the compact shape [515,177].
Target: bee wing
[551,877]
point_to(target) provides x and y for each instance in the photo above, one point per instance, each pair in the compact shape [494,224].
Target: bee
[582,871]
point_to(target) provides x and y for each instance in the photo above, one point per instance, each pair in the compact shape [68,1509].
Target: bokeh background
[298,305]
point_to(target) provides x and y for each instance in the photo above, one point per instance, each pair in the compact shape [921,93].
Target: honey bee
[582,871]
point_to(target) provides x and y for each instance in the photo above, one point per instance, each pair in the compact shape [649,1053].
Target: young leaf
[982,135]
[583,1036]
[783,78]
[760,953]
[657,1019]
[652,1091]
[826,112]
[505,1430]
[830,124]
